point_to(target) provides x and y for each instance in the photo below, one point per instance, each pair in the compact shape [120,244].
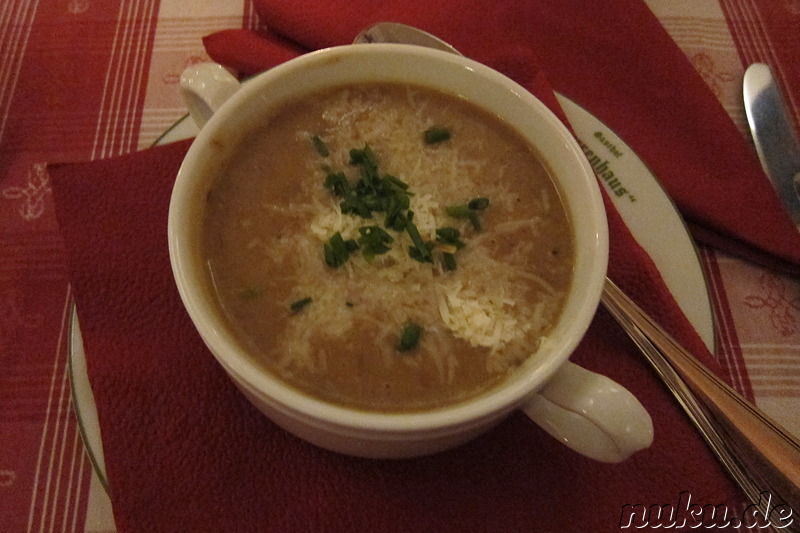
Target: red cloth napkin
[184,450]
[612,58]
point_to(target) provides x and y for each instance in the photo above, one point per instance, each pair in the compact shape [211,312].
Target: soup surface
[387,247]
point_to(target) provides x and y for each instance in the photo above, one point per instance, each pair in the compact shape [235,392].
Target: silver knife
[775,139]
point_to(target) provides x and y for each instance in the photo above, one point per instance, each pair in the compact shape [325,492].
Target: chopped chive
[449,236]
[319,146]
[389,195]
[372,192]
[422,254]
[409,337]
[298,305]
[478,204]
[448,261]
[458,211]
[367,161]
[421,251]
[354,205]
[363,156]
[373,241]
[336,251]
[396,182]
[469,210]
[337,183]
[395,219]
[466,210]
[436,134]
[475,221]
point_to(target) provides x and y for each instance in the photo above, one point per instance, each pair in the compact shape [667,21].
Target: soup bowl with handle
[586,411]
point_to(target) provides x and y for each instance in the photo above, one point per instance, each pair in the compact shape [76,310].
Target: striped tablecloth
[85,79]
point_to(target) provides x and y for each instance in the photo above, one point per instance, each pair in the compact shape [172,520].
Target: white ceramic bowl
[373,434]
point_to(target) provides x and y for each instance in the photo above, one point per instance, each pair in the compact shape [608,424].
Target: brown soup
[388,247]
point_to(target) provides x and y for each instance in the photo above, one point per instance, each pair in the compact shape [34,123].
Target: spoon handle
[769,453]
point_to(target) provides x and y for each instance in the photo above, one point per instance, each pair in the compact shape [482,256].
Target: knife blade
[775,140]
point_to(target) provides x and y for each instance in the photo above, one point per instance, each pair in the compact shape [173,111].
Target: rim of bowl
[591,257]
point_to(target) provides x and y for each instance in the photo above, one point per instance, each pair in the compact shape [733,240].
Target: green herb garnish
[373,241]
[355,205]
[371,192]
[375,193]
[422,254]
[397,183]
[448,261]
[337,183]
[436,134]
[449,237]
[395,206]
[450,240]
[319,146]
[478,204]
[366,158]
[421,250]
[409,337]
[470,210]
[298,305]
[337,250]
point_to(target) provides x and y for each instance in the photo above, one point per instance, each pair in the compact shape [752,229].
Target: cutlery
[757,452]
[773,135]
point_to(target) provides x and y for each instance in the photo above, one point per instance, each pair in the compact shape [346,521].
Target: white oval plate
[636,194]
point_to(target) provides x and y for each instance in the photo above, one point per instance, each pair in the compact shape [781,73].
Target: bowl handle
[592,414]
[205,87]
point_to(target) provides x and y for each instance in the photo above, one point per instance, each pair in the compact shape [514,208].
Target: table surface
[85,80]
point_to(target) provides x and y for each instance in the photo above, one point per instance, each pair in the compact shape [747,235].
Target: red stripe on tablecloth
[774,370]
[126,79]
[39,254]
[32,272]
[61,477]
[16,19]
[767,32]
[250,19]
[180,35]
[42,458]
[728,353]
[54,99]
[748,38]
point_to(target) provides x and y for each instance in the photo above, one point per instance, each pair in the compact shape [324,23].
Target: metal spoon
[756,451]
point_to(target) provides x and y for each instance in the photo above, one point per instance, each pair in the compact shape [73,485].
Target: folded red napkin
[612,58]
[184,451]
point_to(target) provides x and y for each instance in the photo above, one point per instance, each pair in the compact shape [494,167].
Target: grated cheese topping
[482,304]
